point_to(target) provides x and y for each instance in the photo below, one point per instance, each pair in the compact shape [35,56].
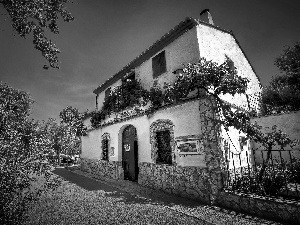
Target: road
[84,200]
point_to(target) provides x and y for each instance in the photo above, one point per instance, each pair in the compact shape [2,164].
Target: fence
[254,171]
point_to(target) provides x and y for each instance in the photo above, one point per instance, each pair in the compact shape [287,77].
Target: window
[105,146]
[97,101]
[107,92]
[164,150]
[129,77]
[105,149]
[159,64]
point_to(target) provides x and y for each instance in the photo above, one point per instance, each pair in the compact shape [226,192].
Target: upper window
[159,64]
[107,92]
[129,77]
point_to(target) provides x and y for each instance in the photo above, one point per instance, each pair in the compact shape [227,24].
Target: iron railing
[249,171]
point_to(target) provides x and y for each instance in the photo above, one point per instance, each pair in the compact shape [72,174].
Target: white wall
[289,123]
[185,117]
[142,126]
[236,155]
[214,45]
[91,145]
[181,51]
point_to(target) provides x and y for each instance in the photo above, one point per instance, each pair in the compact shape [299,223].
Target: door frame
[130,166]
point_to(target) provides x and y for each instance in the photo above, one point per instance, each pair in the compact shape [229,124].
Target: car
[66,159]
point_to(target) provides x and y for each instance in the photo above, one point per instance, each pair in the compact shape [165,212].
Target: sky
[108,34]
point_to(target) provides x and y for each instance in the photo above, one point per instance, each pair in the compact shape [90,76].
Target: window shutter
[159,64]
[107,92]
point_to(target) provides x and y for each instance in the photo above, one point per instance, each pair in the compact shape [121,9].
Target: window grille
[105,149]
[164,150]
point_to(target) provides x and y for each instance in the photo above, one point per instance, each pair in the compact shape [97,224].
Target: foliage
[74,119]
[274,182]
[127,95]
[294,168]
[97,117]
[283,92]
[21,162]
[124,96]
[271,183]
[156,97]
[36,17]
[61,138]
[289,60]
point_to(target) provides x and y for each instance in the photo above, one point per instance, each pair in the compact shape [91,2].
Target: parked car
[66,159]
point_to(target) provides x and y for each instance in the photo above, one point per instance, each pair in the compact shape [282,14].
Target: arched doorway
[130,153]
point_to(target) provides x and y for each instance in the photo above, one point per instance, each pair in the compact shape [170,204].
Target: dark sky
[106,35]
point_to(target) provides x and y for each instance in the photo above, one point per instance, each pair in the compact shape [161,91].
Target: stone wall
[103,168]
[276,209]
[215,162]
[289,123]
[189,182]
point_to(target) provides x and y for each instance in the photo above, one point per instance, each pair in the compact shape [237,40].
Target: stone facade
[189,182]
[276,209]
[103,168]
[212,147]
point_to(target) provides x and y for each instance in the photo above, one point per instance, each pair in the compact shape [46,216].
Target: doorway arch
[130,153]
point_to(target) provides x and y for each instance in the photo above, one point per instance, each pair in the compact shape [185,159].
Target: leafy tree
[283,92]
[21,163]
[36,17]
[74,119]
[60,138]
[289,61]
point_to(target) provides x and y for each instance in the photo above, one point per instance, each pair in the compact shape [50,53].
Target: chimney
[206,16]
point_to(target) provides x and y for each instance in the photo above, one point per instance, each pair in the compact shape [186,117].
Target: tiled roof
[169,37]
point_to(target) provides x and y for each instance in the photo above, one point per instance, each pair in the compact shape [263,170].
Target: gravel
[126,203]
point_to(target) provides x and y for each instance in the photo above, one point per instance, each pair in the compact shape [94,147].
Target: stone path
[134,192]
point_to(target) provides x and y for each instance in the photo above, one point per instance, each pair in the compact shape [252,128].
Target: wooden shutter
[159,64]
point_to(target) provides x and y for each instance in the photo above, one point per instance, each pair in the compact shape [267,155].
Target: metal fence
[254,171]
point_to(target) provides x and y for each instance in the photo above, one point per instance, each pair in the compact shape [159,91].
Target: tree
[36,17]
[283,92]
[74,119]
[60,138]
[21,163]
[289,61]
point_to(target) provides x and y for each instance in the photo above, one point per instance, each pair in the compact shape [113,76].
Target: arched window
[105,141]
[162,142]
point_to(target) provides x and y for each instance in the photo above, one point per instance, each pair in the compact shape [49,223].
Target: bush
[273,182]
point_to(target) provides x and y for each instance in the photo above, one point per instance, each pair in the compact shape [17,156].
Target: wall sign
[112,151]
[127,147]
[189,147]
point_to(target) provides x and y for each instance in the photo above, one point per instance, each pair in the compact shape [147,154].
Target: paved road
[151,206]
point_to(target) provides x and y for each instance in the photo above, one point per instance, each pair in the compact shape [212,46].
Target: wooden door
[130,153]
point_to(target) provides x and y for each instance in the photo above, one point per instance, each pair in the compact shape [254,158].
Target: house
[172,146]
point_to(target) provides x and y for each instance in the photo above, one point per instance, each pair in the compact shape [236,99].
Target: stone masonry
[189,182]
[108,169]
